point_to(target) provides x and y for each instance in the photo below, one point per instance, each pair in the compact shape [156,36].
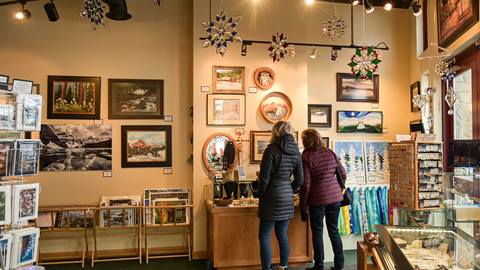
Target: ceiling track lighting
[23,14]
[313,54]
[368,6]
[416,8]
[388,6]
[51,11]
[334,54]
[118,10]
[244,49]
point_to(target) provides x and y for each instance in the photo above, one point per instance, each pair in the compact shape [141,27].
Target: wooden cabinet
[233,239]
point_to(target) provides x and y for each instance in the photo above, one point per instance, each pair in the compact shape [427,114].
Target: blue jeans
[265,235]
[331,213]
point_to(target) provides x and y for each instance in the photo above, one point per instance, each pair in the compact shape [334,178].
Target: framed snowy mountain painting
[377,164]
[351,155]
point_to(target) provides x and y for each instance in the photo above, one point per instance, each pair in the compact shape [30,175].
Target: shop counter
[233,238]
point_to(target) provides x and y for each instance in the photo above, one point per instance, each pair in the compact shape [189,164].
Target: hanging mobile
[221,31]
[279,47]
[365,62]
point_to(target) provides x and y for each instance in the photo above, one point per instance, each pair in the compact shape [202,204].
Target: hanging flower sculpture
[441,68]
[279,47]
[94,10]
[221,32]
[365,62]
[334,28]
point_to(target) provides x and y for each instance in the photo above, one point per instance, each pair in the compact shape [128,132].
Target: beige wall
[304,80]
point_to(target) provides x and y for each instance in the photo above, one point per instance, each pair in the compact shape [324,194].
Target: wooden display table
[233,238]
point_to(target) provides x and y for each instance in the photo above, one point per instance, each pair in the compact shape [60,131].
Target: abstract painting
[378,166]
[359,122]
[455,17]
[76,147]
[225,110]
[25,204]
[350,154]
[135,99]
[350,89]
[25,245]
[228,80]
[276,106]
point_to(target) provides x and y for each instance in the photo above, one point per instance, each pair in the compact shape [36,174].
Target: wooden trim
[200,255]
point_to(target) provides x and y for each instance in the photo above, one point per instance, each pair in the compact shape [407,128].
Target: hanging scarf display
[346,220]
[350,208]
[341,225]
[357,212]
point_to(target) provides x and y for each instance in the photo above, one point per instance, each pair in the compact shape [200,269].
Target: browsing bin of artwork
[20,111]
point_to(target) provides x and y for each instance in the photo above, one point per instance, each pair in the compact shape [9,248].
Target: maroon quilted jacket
[321,186]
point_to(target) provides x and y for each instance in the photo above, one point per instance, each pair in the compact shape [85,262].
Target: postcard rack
[161,226]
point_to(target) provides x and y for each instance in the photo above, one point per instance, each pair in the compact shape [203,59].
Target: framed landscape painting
[225,110]
[146,146]
[378,165]
[135,99]
[351,156]
[228,80]
[259,140]
[454,19]
[350,89]
[359,122]
[319,115]
[73,97]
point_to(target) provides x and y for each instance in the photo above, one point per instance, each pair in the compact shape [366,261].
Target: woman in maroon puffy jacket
[321,194]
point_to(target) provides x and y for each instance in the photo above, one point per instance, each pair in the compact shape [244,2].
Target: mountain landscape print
[359,122]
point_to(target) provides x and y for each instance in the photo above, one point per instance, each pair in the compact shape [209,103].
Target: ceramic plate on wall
[276,107]
[264,78]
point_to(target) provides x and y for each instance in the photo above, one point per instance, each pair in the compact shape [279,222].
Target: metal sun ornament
[222,31]
[441,68]
[365,62]
[94,10]
[334,28]
[279,47]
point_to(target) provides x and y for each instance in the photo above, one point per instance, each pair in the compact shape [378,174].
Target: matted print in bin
[25,246]
[76,148]
[170,216]
[5,205]
[27,156]
[359,122]
[7,112]
[378,165]
[73,97]
[163,193]
[135,99]
[7,156]
[25,202]
[29,112]
[146,146]
[6,249]
[351,155]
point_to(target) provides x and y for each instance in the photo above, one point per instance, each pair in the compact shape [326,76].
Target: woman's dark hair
[312,140]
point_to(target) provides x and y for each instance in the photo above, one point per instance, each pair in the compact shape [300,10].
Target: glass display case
[416,248]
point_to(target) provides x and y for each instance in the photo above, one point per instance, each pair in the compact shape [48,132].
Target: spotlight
[368,6]
[334,54]
[313,54]
[23,14]
[309,2]
[244,49]
[416,8]
[388,6]
[118,10]
[51,11]
[355,2]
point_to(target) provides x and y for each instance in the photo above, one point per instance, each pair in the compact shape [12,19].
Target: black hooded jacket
[280,160]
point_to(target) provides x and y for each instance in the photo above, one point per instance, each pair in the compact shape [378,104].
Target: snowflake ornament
[334,28]
[94,10]
[222,31]
[441,68]
[365,62]
[279,47]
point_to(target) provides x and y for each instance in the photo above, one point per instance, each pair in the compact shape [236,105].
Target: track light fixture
[23,14]
[416,8]
[388,6]
[309,2]
[118,10]
[368,6]
[51,11]
[313,54]
[244,49]
[355,2]
[334,54]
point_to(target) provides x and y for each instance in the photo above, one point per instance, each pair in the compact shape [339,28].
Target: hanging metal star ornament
[365,62]
[451,98]
[94,10]
[278,47]
[441,68]
[222,31]
[334,28]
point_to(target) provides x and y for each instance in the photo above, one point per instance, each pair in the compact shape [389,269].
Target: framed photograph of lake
[228,80]
[320,115]
[225,110]
[73,97]
[146,146]
[135,99]
[350,89]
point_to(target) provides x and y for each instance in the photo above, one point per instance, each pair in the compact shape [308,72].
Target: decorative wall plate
[264,78]
[213,151]
[275,107]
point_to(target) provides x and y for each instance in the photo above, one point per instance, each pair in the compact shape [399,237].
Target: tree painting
[351,155]
[378,167]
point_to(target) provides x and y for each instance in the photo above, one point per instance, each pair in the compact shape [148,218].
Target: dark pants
[331,213]
[265,235]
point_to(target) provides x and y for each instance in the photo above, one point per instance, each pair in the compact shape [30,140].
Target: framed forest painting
[455,17]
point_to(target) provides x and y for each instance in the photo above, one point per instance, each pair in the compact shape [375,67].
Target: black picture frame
[344,98]
[461,26]
[326,141]
[414,90]
[153,86]
[28,91]
[88,80]
[147,128]
[328,107]
[4,77]
[356,129]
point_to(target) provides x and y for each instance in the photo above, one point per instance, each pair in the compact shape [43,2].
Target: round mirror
[213,152]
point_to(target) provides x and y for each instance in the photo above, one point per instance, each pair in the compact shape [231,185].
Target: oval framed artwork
[264,78]
[275,107]
[213,150]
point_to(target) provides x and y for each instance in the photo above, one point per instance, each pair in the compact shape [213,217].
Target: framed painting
[73,97]
[264,78]
[378,166]
[6,248]
[276,106]
[4,79]
[146,146]
[350,89]
[454,19]
[5,205]
[359,122]
[326,141]
[259,140]
[25,202]
[320,115]
[7,156]
[25,247]
[228,80]
[135,99]
[171,216]
[27,156]
[414,91]
[22,86]
[225,110]
[7,112]
[351,156]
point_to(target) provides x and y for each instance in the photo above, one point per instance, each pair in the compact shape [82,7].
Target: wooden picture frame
[364,122]
[62,102]
[255,148]
[414,90]
[322,117]
[211,156]
[264,78]
[454,20]
[135,99]
[231,82]
[272,103]
[142,146]
[351,90]
[226,110]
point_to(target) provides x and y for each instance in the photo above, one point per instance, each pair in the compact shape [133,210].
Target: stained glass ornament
[94,10]
[334,28]
[441,68]
[279,47]
[221,32]
[450,98]
[365,62]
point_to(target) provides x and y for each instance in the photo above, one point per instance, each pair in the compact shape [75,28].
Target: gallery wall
[304,80]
